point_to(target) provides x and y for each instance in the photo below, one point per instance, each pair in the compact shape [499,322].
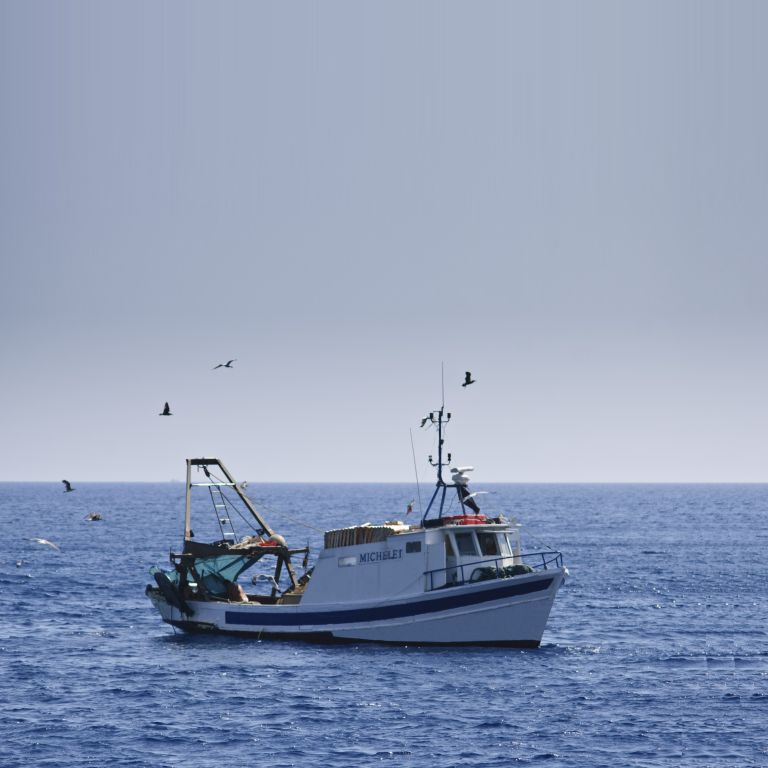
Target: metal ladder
[222,513]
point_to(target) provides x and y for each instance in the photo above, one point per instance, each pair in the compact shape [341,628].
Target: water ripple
[656,653]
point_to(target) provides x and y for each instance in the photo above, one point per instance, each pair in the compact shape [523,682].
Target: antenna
[441,421]
[442,384]
[415,469]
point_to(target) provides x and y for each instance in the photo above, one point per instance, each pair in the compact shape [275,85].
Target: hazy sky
[567,199]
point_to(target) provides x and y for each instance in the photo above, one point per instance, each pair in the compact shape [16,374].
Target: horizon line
[406,482]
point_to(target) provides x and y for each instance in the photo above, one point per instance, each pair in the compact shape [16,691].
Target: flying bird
[166,411]
[228,364]
[47,543]
[68,486]
[468,379]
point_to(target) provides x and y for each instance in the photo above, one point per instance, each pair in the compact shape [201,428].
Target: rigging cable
[416,470]
[231,504]
[266,508]
[290,517]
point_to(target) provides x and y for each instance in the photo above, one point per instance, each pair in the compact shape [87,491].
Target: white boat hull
[511,611]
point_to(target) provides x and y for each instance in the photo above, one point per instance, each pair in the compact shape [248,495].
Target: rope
[263,506]
[541,543]
[416,470]
[232,505]
[290,517]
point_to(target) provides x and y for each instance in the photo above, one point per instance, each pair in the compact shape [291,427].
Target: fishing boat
[457,577]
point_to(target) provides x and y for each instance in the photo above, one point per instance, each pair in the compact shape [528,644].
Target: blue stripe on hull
[285,618]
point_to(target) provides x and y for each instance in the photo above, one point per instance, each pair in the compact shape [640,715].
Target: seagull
[228,364]
[166,411]
[468,379]
[425,420]
[93,516]
[68,486]
[47,543]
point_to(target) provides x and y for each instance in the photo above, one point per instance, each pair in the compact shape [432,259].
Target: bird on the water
[228,364]
[468,379]
[166,411]
[47,543]
[68,486]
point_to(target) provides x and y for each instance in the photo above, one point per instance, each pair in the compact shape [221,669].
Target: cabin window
[466,544]
[489,546]
[504,545]
[412,546]
[449,547]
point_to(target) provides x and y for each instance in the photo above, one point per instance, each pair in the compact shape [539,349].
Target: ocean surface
[656,652]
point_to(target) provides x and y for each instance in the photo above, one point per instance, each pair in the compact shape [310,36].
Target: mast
[438,417]
[440,442]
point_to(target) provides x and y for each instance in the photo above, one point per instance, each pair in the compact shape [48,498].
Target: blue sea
[656,652]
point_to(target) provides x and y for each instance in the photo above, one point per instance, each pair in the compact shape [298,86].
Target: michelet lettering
[377,557]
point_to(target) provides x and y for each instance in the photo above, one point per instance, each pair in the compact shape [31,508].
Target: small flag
[409,508]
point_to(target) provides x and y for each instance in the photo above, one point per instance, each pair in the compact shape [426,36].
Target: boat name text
[376,557]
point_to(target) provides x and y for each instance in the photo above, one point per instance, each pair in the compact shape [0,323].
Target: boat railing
[491,568]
